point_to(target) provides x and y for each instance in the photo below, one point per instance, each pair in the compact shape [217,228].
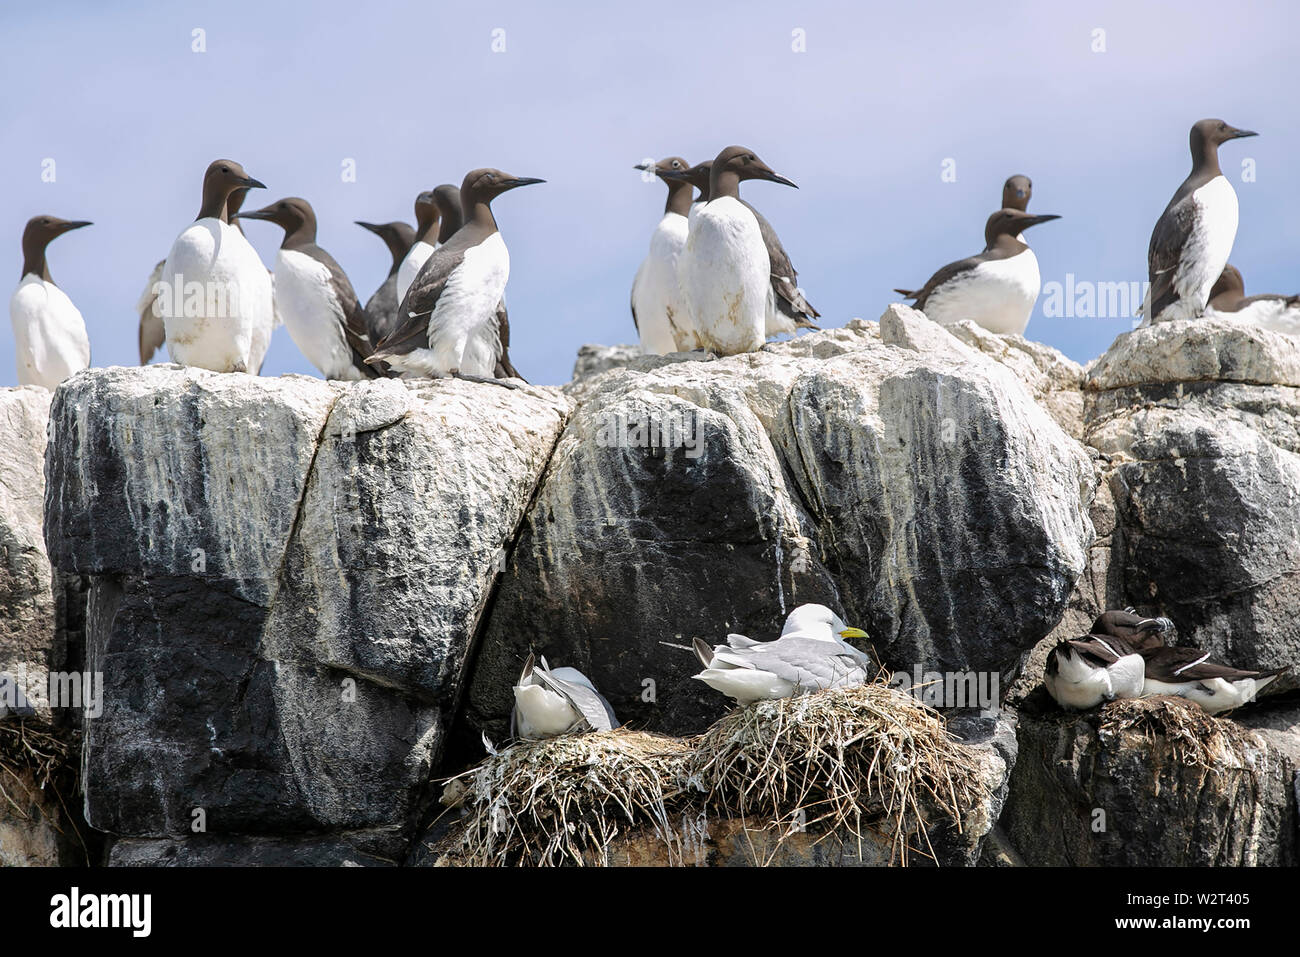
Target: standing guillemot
[656,295]
[1193,238]
[426,240]
[1083,672]
[787,309]
[50,341]
[1228,299]
[452,320]
[997,288]
[1189,673]
[152,334]
[313,296]
[217,311]
[726,273]
[553,701]
[381,307]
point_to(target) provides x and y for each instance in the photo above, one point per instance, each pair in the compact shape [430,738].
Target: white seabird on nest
[551,702]
[811,655]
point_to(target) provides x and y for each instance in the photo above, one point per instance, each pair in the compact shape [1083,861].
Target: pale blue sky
[863,121]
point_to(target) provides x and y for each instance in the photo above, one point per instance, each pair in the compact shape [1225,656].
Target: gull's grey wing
[594,709]
[806,662]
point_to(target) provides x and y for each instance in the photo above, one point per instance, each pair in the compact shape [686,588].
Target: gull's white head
[818,621]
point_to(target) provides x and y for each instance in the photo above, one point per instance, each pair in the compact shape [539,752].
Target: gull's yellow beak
[853,633]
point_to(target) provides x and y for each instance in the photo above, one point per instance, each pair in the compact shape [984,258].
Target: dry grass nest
[1193,737]
[31,754]
[840,762]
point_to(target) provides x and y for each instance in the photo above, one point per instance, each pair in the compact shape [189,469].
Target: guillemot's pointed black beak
[1238,134]
[377,230]
[256,213]
[521,181]
[644,166]
[251,183]
[76,224]
[771,175]
[673,174]
[1035,220]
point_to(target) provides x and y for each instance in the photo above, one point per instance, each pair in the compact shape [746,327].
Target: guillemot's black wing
[411,330]
[504,369]
[1172,665]
[785,280]
[355,322]
[1166,249]
[1133,629]
[944,275]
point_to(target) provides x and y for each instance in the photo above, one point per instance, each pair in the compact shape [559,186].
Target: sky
[899,122]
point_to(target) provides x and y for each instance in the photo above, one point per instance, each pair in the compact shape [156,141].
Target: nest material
[565,799]
[1194,738]
[834,762]
[29,753]
[837,762]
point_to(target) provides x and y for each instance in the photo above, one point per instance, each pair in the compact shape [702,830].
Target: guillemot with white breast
[426,240]
[788,310]
[381,307]
[1082,673]
[50,341]
[217,309]
[657,302]
[152,332]
[726,271]
[996,288]
[1228,300]
[452,319]
[314,297]
[1193,237]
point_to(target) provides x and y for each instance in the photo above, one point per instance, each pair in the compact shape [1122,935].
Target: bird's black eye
[225,169]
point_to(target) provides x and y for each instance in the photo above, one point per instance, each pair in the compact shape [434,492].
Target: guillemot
[725,269]
[996,288]
[50,341]
[1193,238]
[1016,192]
[1083,672]
[426,240]
[1189,673]
[554,701]
[1228,299]
[381,307]
[810,655]
[787,309]
[217,308]
[656,295]
[152,333]
[1134,630]
[314,297]
[452,320]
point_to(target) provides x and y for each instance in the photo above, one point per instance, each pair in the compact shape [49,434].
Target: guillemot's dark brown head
[447,198]
[1206,137]
[222,178]
[1016,192]
[426,217]
[679,189]
[1228,283]
[697,176]
[481,186]
[39,232]
[292,214]
[1011,222]
[398,237]
[736,164]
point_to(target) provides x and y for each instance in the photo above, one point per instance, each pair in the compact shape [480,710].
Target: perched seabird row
[1124,656]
